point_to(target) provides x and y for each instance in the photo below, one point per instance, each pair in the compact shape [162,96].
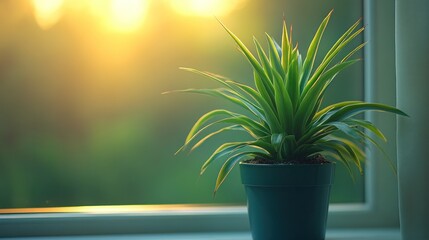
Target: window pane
[82,117]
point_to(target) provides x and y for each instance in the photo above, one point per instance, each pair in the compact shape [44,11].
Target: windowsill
[177,222]
[361,234]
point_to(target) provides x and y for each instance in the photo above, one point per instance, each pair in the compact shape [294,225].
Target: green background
[83,120]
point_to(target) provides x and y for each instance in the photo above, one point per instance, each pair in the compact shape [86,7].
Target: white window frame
[381,195]
[380,209]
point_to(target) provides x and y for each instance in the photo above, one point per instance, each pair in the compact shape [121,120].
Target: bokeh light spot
[206,7]
[124,16]
[47,12]
[127,15]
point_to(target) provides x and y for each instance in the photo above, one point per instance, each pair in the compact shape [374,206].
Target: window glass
[82,117]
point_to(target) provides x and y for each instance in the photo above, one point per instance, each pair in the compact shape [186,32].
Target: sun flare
[127,15]
[120,15]
[47,12]
[205,7]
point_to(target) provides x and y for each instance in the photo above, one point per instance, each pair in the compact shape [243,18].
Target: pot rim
[287,174]
[286,164]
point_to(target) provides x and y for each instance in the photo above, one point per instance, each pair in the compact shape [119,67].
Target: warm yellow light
[47,12]
[205,7]
[127,15]
[120,15]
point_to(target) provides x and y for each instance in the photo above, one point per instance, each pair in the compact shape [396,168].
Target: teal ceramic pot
[287,202]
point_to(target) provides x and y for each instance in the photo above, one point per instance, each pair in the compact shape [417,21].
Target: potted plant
[287,166]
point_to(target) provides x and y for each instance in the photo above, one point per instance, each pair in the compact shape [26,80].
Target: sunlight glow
[120,15]
[127,15]
[47,12]
[205,7]
[118,209]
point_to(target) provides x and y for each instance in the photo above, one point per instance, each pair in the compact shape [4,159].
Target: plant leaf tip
[186,69]
[177,152]
[221,23]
